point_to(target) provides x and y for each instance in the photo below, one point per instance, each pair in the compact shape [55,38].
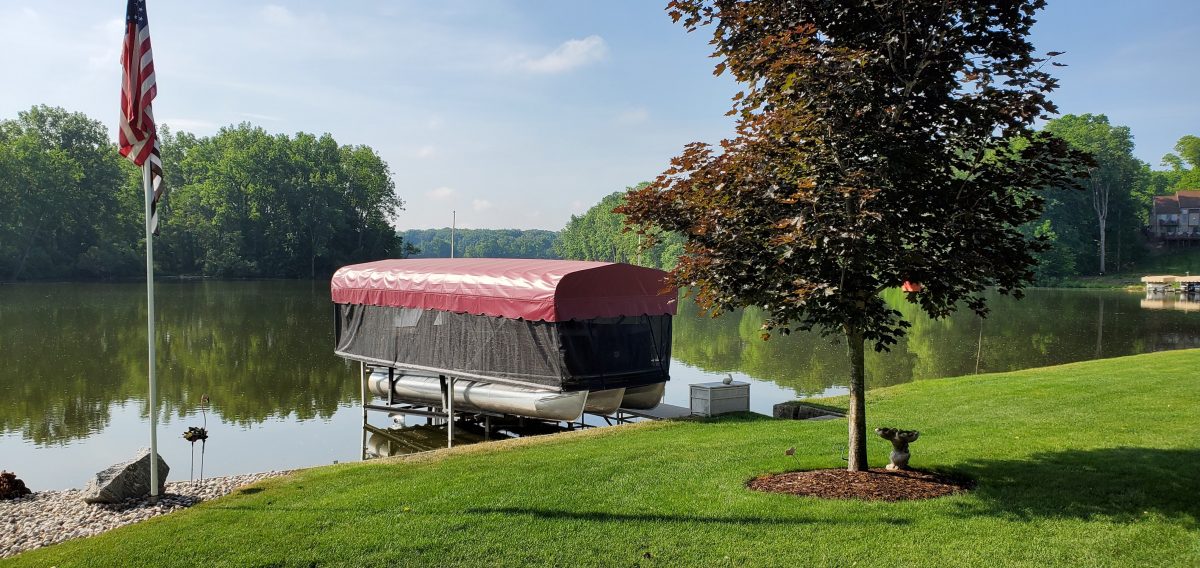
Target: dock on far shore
[1166,283]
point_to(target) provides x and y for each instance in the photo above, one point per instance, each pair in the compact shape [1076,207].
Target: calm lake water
[73,367]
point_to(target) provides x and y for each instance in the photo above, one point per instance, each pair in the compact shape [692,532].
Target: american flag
[139,140]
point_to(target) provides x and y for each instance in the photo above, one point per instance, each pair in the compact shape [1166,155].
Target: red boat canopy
[545,290]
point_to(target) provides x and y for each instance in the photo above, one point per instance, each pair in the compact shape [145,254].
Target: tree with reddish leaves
[878,142]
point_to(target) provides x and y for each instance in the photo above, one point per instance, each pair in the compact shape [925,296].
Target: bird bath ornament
[900,440]
[198,434]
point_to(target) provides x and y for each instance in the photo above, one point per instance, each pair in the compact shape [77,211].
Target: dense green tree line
[1119,184]
[67,209]
[246,203]
[599,234]
[1184,167]
[241,203]
[1098,228]
[1102,228]
[481,243]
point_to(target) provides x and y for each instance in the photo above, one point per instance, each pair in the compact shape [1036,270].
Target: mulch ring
[874,485]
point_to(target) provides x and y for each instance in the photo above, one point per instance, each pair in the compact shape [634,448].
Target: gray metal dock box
[711,399]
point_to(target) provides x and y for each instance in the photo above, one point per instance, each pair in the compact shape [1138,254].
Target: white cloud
[578,206]
[567,56]
[633,116]
[481,204]
[441,193]
[426,151]
[277,15]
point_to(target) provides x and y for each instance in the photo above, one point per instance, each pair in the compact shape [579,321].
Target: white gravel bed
[48,517]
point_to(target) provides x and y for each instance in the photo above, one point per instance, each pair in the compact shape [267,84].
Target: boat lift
[542,340]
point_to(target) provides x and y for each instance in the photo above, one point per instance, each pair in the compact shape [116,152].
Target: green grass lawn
[1086,464]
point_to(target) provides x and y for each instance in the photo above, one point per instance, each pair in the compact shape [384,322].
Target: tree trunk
[858,418]
[1100,193]
[1120,229]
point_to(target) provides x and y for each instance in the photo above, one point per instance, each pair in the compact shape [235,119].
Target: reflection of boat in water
[1170,300]
[506,337]
[388,442]
[405,440]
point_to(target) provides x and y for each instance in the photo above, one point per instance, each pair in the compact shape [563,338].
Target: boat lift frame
[446,412]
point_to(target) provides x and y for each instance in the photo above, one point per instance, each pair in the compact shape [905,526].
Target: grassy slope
[1093,463]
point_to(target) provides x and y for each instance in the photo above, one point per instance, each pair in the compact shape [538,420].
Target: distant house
[1176,216]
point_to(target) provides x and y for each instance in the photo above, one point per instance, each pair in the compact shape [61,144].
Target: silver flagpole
[153,398]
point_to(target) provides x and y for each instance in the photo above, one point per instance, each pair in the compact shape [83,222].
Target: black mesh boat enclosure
[557,325]
[592,354]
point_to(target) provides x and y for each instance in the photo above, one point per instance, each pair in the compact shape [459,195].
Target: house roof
[1189,199]
[1166,205]
[533,290]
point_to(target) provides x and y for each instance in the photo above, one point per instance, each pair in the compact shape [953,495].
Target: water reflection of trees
[1047,327]
[258,349]
[69,352]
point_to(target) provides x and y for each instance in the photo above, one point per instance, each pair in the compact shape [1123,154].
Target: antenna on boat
[453,226]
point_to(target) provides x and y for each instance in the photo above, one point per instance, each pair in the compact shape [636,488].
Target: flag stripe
[137,134]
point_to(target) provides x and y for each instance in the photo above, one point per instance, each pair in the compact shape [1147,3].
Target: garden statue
[900,440]
[198,434]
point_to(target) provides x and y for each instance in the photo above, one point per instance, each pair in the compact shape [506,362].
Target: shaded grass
[1085,464]
[1174,260]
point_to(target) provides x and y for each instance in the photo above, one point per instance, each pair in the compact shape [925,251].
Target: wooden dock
[660,412]
[1168,283]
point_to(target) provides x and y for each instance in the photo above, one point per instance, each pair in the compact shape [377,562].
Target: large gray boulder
[128,480]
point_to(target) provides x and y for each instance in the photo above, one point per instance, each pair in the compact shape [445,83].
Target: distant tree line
[481,243]
[67,206]
[241,203]
[246,203]
[1107,217]
[599,234]
[1102,228]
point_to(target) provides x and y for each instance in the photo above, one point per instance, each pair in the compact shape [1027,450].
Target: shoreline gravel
[49,517]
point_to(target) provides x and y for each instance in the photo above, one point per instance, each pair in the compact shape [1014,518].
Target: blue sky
[514,113]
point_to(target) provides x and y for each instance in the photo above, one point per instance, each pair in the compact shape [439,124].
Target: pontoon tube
[490,397]
[643,398]
[604,401]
